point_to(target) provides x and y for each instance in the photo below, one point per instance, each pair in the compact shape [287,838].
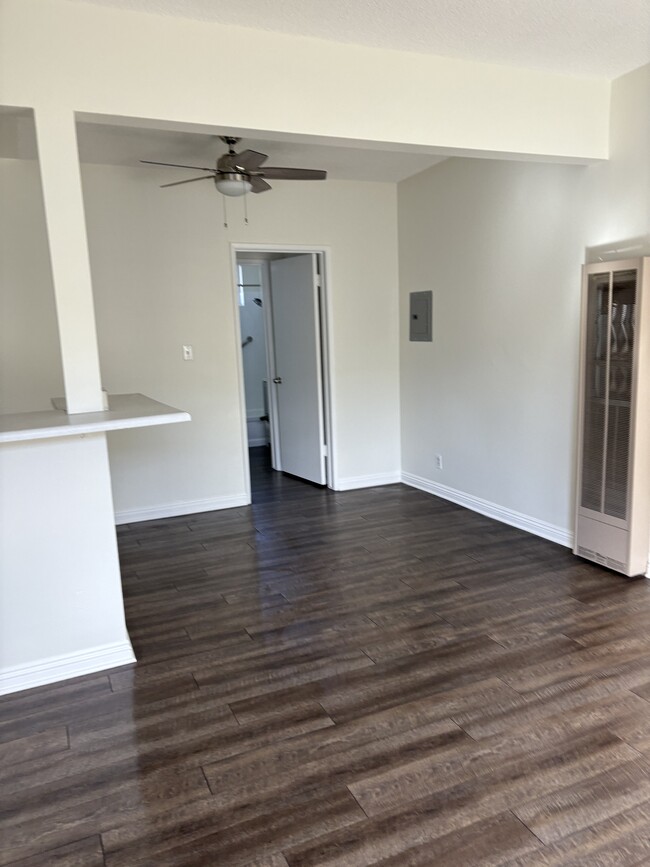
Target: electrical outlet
[438,462]
[188,352]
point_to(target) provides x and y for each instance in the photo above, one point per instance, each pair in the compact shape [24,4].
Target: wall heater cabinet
[613,503]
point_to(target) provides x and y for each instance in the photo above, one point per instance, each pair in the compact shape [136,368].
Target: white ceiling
[601,37]
[122,145]
[581,37]
[125,145]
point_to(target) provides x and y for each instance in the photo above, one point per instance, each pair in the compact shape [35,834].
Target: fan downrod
[231,141]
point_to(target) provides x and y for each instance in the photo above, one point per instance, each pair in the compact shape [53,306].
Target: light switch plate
[188,352]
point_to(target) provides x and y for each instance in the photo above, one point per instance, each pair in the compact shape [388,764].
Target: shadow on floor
[268,484]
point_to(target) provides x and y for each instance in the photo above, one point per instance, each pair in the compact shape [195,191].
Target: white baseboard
[57,668]
[188,507]
[352,483]
[507,516]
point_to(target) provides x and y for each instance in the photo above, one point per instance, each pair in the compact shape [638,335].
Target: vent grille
[610,347]
[593,448]
[592,457]
[595,557]
[588,554]
[618,441]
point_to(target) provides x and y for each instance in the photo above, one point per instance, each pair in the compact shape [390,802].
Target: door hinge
[323,451]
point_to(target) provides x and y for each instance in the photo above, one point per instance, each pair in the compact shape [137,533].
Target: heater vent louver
[614,453]
[588,554]
[607,392]
[601,559]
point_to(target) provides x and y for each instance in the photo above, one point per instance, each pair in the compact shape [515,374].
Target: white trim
[186,507]
[327,339]
[57,668]
[507,516]
[327,285]
[239,362]
[271,393]
[353,483]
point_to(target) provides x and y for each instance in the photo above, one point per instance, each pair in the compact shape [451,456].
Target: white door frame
[326,347]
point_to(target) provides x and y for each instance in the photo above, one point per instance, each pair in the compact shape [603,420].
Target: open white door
[298,374]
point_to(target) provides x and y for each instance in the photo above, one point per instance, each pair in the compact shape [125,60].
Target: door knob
[277,380]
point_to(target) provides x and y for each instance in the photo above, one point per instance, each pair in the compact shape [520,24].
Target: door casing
[324,256]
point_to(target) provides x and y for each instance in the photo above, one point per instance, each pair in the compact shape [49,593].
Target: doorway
[281,299]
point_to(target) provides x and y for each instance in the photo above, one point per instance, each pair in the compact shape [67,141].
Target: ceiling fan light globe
[232,184]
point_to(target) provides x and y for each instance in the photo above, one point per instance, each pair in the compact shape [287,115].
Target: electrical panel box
[420,304]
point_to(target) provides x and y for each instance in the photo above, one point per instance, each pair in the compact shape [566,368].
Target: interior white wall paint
[30,359]
[58,600]
[501,246]
[251,320]
[495,391]
[124,63]
[617,193]
[162,277]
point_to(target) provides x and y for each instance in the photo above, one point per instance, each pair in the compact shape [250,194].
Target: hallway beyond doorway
[268,484]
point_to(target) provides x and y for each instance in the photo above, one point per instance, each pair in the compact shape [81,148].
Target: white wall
[251,321]
[61,613]
[617,192]
[114,62]
[501,244]
[30,360]
[494,393]
[162,277]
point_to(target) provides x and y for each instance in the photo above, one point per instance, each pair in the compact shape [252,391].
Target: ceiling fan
[236,174]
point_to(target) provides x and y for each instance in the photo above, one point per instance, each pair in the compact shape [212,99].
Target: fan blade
[287,174]
[188,181]
[177,166]
[258,185]
[249,160]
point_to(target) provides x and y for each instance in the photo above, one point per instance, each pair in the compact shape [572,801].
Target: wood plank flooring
[370,677]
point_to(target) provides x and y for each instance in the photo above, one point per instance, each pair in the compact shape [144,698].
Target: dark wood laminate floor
[371,677]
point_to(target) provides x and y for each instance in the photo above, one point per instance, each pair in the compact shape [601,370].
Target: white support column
[62,612]
[66,227]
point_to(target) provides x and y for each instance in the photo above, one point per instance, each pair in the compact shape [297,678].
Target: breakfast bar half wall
[61,606]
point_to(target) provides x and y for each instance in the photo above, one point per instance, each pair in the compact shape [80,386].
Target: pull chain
[225,210]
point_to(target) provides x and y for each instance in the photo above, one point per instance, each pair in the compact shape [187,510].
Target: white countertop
[125,411]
